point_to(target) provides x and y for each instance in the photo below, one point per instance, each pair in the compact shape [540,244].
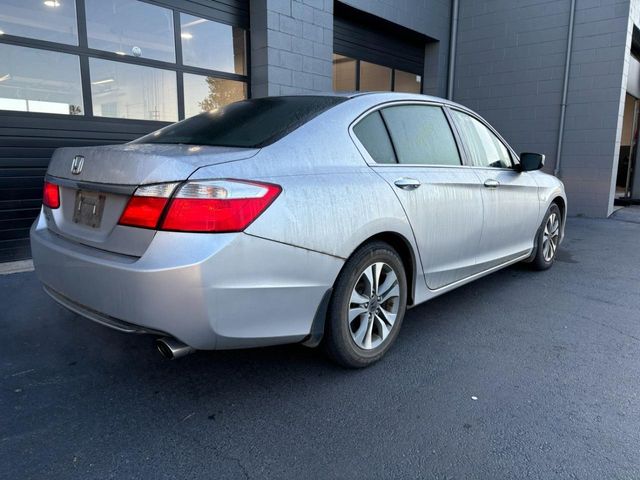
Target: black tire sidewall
[338,340]
[539,262]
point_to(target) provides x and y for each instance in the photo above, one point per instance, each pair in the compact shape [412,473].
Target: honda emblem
[77,164]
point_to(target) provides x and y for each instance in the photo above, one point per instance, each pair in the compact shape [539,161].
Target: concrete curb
[16,267]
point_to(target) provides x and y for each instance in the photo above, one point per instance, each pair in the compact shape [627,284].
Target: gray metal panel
[27,142]
[364,36]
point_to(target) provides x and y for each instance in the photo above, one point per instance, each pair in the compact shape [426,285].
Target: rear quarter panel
[331,212]
[331,200]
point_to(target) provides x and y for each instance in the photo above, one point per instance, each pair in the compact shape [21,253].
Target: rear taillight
[51,195]
[146,206]
[201,206]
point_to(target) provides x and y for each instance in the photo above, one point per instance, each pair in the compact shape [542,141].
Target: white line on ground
[16,267]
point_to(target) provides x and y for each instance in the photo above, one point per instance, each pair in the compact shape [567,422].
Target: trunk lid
[138,164]
[93,199]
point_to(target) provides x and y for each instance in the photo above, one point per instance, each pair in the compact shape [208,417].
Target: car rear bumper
[209,291]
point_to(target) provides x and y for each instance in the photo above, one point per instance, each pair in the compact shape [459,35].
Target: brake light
[51,195]
[218,206]
[199,206]
[146,206]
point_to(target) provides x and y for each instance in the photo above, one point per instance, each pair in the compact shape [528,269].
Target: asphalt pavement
[519,375]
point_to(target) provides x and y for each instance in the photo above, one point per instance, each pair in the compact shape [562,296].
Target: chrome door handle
[407,183]
[491,183]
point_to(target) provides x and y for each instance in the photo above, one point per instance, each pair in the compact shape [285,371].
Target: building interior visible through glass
[47,81]
[350,74]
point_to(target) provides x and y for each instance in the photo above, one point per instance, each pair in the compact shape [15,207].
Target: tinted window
[124,90]
[33,80]
[50,20]
[250,123]
[344,73]
[374,78]
[407,82]
[421,135]
[373,135]
[203,94]
[129,27]
[197,36]
[485,148]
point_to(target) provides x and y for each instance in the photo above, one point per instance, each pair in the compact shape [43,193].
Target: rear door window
[373,135]
[421,135]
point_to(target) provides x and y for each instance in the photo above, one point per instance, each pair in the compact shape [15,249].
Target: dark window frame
[83,52]
[462,151]
[393,72]
[515,160]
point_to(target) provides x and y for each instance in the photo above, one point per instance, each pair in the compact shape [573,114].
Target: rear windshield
[250,123]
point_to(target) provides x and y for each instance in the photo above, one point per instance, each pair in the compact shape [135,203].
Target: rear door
[511,205]
[412,146]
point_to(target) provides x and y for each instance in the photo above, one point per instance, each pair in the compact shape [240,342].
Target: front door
[510,198]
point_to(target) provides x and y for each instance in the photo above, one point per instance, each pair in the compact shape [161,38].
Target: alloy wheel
[550,237]
[374,305]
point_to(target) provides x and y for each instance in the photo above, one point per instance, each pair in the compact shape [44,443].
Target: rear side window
[373,135]
[485,148]
[251,123]
[421,135]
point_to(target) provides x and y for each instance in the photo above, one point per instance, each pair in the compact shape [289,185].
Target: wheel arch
[406,252]
[562,205]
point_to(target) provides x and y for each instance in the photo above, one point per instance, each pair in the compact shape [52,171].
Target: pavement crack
[625,334]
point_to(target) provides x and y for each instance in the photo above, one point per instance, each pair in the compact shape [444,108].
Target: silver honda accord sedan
[313,219]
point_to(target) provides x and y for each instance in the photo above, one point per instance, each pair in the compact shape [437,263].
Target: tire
[548,239]
[372,329]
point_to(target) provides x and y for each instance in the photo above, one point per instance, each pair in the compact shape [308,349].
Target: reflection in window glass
[129,27]
[485,148]
[344,73]
[203,94]
[52,20]
[421,135]
[34,80]
[131,91]
[374,78]
[250,123]
[407,82]
[212,45]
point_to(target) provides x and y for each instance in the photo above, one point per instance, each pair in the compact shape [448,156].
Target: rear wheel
[367,306]
[548,239]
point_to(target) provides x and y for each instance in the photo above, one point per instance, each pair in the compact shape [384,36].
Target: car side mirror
[531,161]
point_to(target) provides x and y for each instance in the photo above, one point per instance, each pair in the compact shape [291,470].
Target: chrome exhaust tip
[170,348]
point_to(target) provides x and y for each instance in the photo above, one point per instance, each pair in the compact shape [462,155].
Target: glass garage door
[94,72]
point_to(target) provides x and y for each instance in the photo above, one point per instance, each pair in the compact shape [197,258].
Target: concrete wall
[291,46]
[633,86]
[595,110]
[292,41]
[510,66]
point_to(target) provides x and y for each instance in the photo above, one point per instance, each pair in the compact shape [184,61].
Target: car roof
[385,97]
